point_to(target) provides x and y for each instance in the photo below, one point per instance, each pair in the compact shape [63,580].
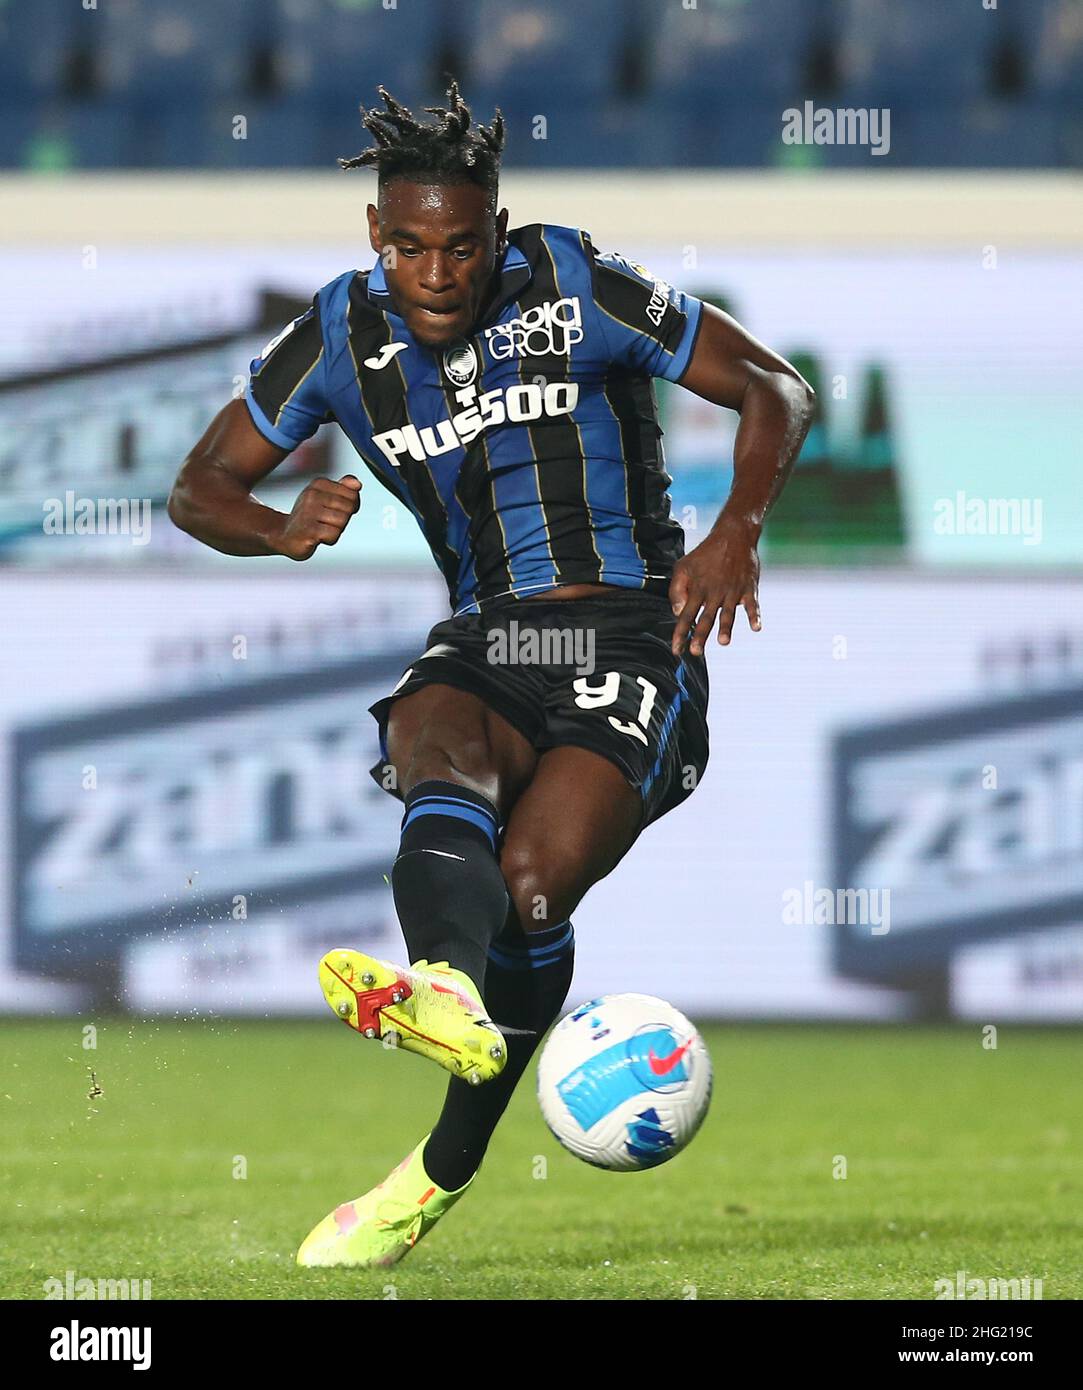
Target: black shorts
[595,673]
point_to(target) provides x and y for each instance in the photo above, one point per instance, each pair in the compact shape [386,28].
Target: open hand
[721,575]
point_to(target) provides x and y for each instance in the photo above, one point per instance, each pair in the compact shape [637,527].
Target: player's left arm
[729,367]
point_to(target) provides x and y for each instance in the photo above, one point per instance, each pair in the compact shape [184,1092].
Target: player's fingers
[685,621]
[349,497]
[349,489]
[332,509]
[327,535]
[703,627]
[344,489]
[678,590]
[752,608]
[726,616]
[332,522]
[336,499]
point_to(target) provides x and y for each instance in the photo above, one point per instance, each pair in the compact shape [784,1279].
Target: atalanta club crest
[461,364]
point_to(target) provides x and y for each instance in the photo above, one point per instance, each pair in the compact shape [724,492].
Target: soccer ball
[624,1082]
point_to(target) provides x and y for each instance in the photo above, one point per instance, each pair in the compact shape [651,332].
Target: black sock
[449,892]
[527,980]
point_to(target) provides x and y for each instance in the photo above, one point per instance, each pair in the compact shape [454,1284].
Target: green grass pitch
[957,1157]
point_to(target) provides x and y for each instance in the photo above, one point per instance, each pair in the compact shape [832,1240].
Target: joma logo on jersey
[548,328]
[514,404]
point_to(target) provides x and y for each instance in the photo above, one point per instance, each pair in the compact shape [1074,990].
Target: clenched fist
[319,516]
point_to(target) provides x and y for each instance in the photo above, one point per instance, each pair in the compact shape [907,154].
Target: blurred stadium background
[103,84]
[187,819]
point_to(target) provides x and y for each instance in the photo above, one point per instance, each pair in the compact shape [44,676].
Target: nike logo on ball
[661,1065]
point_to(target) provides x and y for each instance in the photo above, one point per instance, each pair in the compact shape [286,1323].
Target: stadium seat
[339,51]
[529,56]
[1053,33]
[279,134]
[274,135]
[54,136]
[747,135]
[911,49]
[620,134]
[724,49]
[36,43]
[983,135]
[159,54]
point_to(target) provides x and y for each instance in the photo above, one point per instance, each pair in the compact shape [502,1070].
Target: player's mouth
[438,326]
[438,315]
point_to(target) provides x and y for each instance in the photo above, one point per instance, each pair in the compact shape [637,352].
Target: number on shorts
[589,696]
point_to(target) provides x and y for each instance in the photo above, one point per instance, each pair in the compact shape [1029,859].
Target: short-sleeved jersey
[530,453]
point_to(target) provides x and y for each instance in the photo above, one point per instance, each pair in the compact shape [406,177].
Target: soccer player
[498,384]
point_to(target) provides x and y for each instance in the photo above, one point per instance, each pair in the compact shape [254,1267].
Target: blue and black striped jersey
[530,453]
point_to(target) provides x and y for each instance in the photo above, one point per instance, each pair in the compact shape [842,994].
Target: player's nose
[436,273]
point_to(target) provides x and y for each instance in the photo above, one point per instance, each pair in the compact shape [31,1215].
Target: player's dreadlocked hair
[448,150]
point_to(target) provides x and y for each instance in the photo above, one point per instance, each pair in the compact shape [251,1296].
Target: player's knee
[541,893]
[450,755]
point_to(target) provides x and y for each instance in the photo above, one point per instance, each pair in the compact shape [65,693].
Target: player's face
[439,245]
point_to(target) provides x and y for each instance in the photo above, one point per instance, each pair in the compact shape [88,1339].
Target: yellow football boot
[426,1008]
[383,1225]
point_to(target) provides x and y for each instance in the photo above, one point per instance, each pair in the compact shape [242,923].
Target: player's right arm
[212,500]
[285,405]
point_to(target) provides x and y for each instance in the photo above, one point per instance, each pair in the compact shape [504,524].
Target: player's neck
[488,299]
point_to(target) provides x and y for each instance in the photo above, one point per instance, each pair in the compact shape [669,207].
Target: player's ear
[374,228]
[501,229]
